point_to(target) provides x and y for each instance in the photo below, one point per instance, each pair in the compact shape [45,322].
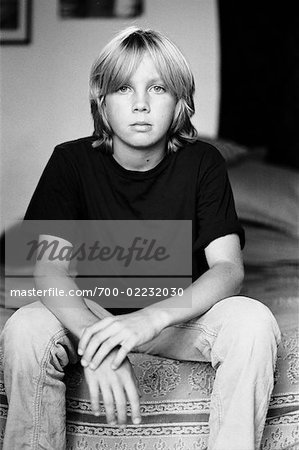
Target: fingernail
[113,366]
[84,363]
[137,420]
[80,351]
[92,366]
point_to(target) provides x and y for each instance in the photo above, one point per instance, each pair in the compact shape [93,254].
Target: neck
[138,159]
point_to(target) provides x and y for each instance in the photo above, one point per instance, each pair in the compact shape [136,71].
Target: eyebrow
[156,80]
[152,80]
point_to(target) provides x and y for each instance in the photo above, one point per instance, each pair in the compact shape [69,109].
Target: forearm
[70,310]
[222,280]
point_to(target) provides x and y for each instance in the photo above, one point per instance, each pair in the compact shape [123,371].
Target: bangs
[120,69]
[168,70]
[120,64]
[116,66]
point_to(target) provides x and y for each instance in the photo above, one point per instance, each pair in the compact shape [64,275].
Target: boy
[143,162]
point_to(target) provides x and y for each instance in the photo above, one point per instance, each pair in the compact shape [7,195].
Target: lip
[141,126]
[141,123]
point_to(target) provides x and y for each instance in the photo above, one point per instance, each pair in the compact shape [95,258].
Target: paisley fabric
[175,406]
[176,395]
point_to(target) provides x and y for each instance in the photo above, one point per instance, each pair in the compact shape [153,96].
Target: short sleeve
[56,197]
[216,214]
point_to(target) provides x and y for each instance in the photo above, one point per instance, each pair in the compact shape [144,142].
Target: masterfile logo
[119,263]
[140,250]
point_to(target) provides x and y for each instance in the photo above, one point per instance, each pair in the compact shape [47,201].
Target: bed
[176,395]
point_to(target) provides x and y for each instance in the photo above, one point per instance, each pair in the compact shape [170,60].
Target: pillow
[231,151]
[265,245]
[267,195]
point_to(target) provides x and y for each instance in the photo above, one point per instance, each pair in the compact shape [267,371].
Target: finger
[94,395]
[91,348]
[121,355]
[136,382]
[95,344]
[109,405]
[121,403]
[90,331]
[133,396]
[103,351]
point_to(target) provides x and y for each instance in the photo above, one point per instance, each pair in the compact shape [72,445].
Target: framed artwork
[15,22]
[100,8]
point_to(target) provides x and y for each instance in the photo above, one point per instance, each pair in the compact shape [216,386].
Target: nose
[141,102]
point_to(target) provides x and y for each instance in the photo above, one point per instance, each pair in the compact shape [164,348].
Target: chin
[145,143]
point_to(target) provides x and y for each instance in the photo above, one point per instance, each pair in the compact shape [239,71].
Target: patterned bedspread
[176,395]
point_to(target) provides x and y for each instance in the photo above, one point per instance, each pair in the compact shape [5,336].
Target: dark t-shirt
[85,183]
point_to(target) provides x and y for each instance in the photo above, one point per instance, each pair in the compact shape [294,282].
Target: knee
[252,321]
[18,332]
[29,327]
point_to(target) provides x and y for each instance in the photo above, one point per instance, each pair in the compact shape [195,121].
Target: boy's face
[141,111]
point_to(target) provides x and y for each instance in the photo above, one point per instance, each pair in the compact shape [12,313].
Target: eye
[157,89]
[123,89]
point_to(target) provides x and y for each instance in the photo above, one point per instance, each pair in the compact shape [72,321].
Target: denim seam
[220,408]
[217,400]
[40,385]
[203,328]
[266,400]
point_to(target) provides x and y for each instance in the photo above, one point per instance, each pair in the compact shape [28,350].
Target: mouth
[141,123]
[141,126]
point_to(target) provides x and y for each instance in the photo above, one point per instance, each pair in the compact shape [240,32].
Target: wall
[44,86]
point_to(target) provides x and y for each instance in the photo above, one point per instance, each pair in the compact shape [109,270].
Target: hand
[117,386]
[125,332]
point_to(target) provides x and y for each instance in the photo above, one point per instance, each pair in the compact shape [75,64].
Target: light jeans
[239,336]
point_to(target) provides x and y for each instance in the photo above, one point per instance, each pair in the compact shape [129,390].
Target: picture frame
[15,22]
[105,9]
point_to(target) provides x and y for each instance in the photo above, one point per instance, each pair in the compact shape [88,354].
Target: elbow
[39,272]
[234,274]
[239,276]
[46,269]
[42,269]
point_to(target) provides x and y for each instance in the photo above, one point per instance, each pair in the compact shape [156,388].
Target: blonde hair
[116,63]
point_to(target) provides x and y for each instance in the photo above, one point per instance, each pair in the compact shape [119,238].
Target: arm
[116,386]
[223,279]
[71,311]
